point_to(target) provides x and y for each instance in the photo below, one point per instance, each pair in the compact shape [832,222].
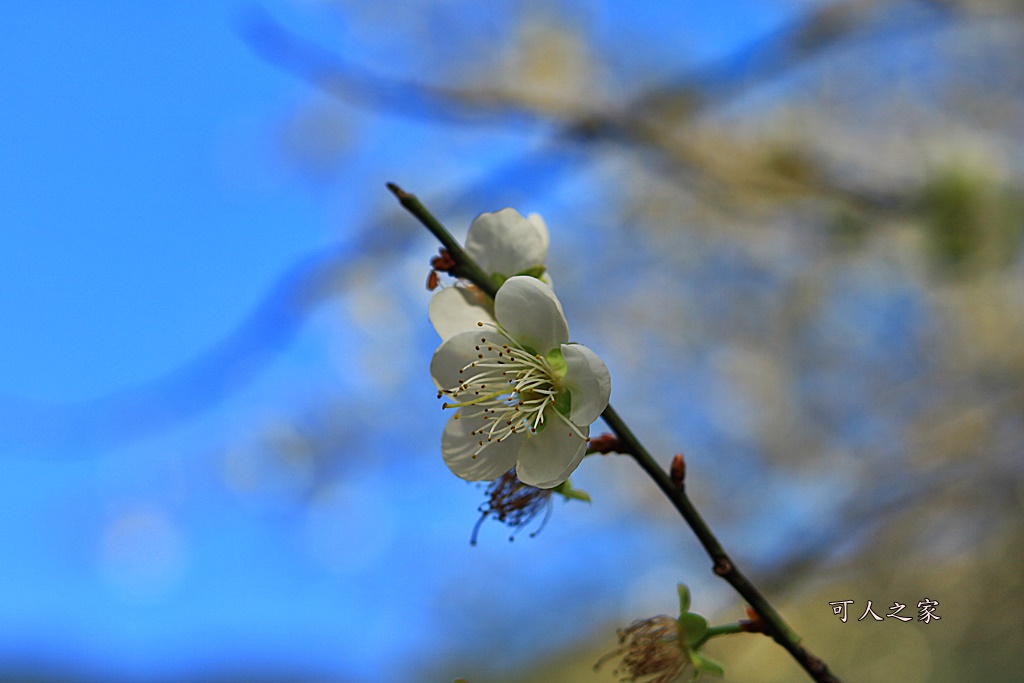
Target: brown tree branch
[723,565]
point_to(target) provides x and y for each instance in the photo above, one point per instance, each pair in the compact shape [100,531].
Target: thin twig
[464,265]
[723,566]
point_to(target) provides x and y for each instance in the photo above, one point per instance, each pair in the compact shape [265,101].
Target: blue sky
[148,208]
[138,176]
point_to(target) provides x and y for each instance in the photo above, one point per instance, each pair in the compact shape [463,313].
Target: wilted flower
[650,651]
[660,649]
[525,396]
[514,503]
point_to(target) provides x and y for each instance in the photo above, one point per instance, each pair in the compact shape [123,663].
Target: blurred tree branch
[924,421]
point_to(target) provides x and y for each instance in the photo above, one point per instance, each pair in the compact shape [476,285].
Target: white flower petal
[588,382]
[458,351]
[547,458]
[458,445]
[531,314]
[504,242]
[542,230]
[456,309]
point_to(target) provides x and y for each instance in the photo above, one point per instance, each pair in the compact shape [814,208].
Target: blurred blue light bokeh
[150,215]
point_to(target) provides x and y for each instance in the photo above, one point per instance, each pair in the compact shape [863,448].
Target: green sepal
[704,665]
[565,489]
[684,598]
[499,278]
[536,271]
[692,628]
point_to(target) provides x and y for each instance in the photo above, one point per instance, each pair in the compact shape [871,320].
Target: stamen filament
[510,390]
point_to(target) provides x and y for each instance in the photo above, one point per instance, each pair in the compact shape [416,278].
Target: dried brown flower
[514,503]
[650,652]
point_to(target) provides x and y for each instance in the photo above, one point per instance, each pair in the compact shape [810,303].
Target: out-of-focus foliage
[974,223]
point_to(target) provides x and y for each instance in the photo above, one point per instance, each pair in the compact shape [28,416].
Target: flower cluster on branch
[524,396]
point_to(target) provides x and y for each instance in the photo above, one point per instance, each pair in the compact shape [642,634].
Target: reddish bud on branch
[678,470]
[443,262]
[753,624]
[604,444]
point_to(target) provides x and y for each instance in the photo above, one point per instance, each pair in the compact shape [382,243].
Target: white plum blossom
[525,396]
[454,309]
[506,244]
[503,244]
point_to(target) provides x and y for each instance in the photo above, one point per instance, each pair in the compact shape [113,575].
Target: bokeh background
[791,228]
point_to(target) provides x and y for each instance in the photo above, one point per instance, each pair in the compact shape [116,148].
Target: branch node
[753,623]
